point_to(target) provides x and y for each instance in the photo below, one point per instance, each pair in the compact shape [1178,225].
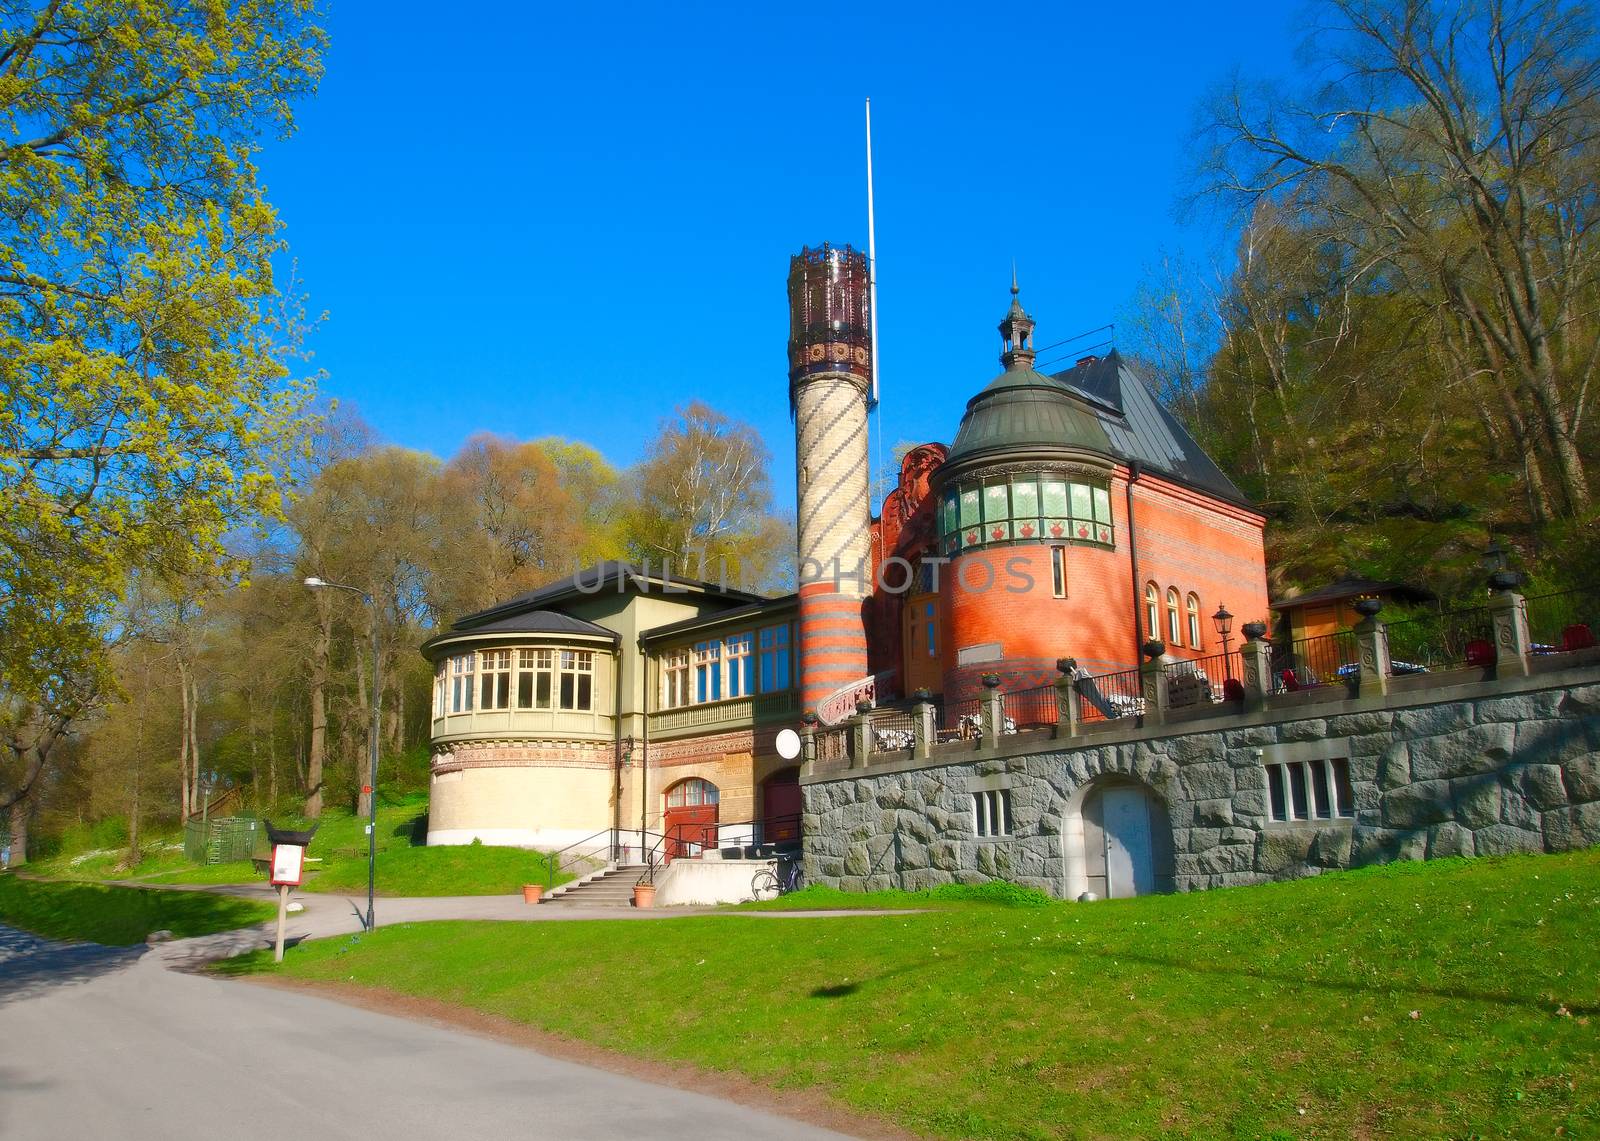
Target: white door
[1130,860]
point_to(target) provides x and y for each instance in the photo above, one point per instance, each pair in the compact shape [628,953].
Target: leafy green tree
[145,399]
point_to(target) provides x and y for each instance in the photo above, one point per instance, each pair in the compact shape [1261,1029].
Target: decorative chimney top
[830,313]
[1017,332]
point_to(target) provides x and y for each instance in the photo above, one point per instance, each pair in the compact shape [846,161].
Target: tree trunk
[185,798]
[364,709]
[19,831]
[318,751]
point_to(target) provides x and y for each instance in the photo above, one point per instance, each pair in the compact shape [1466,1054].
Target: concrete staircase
[612,886]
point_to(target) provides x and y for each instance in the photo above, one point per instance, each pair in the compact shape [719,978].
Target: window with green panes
[1025,507]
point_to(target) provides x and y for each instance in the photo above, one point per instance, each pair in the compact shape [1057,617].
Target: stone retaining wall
[1486,769]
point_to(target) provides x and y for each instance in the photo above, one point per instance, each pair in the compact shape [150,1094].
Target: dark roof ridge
[595,579]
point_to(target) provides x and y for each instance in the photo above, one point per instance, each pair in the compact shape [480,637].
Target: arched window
[1174,623]
[1194,621]
[687,793]
[1152,610]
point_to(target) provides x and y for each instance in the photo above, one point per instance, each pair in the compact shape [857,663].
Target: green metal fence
[222,839]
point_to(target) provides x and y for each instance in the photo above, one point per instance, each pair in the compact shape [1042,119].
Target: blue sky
[540,220]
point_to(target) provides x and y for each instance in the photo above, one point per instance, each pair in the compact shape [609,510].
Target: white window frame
[738,661]
[463,677]
[494,681]
[1193,605]
[578,667]
[675,693]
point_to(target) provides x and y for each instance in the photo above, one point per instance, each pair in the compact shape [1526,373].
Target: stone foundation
[1486,769]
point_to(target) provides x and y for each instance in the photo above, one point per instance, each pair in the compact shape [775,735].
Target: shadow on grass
[1345,986]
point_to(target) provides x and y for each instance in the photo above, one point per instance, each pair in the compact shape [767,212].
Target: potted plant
[532,892]
[644,895]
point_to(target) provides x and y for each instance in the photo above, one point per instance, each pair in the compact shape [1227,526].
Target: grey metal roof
[1140,429]
[602,577]
[1022,408]
[537,622]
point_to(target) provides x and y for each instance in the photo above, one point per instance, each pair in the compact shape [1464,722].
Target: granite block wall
[1488,774]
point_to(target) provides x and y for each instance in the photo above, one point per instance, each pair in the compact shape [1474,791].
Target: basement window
[991,812]
[1310,790]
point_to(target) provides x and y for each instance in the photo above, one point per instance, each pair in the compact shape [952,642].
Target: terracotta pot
[644,895]
[531,892]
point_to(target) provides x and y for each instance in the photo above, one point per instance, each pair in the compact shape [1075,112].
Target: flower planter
[531,892]
[644,895]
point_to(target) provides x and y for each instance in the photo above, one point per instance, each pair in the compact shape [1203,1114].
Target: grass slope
[339,851]
[119,915]
[1450,999]
[473,869]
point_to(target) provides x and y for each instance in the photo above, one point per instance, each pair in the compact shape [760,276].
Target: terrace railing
[1110,696]
[1196,681]
[1029,708]
[959,719]
[1310,663]
[1562,622]
[1445,640]
[893,731]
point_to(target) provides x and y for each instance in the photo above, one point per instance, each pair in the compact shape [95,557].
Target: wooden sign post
[288,869]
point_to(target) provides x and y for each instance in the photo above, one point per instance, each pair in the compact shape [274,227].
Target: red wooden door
[780,808]
[690,821]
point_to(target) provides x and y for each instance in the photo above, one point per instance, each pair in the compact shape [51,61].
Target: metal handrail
[552,860]
[658,855]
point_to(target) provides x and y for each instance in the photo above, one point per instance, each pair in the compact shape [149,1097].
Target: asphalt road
[102,1042]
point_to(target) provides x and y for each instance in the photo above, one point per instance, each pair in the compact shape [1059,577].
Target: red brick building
[1072,517]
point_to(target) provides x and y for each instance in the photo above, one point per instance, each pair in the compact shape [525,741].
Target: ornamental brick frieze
[510,754]
[698,749]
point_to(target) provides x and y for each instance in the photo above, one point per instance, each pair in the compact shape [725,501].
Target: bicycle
[786,876]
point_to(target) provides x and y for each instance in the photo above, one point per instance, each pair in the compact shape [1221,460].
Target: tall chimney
[830,376]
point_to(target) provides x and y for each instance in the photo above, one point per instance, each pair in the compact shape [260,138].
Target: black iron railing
[1029,708]
[961,718]
[892,730]
[1442,640]
[1106,697]
[1196,681]
[1310,663]
[1563,621]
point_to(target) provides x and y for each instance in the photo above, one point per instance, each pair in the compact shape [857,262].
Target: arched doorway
[781,805]
[690,820]
[1117,840]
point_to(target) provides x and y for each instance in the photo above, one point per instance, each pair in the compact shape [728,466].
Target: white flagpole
[872,259]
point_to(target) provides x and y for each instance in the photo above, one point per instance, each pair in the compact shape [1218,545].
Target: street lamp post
[316,583]
[1224,624]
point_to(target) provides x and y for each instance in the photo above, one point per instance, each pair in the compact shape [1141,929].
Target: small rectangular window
[991,812]
[931,624]
[1316,789]
[1058,571]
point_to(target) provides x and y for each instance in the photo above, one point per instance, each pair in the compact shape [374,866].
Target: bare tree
[1450,150]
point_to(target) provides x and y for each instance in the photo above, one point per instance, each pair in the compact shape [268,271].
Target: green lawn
[116,916]
[475,869]
[339,860]
[1451,999]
